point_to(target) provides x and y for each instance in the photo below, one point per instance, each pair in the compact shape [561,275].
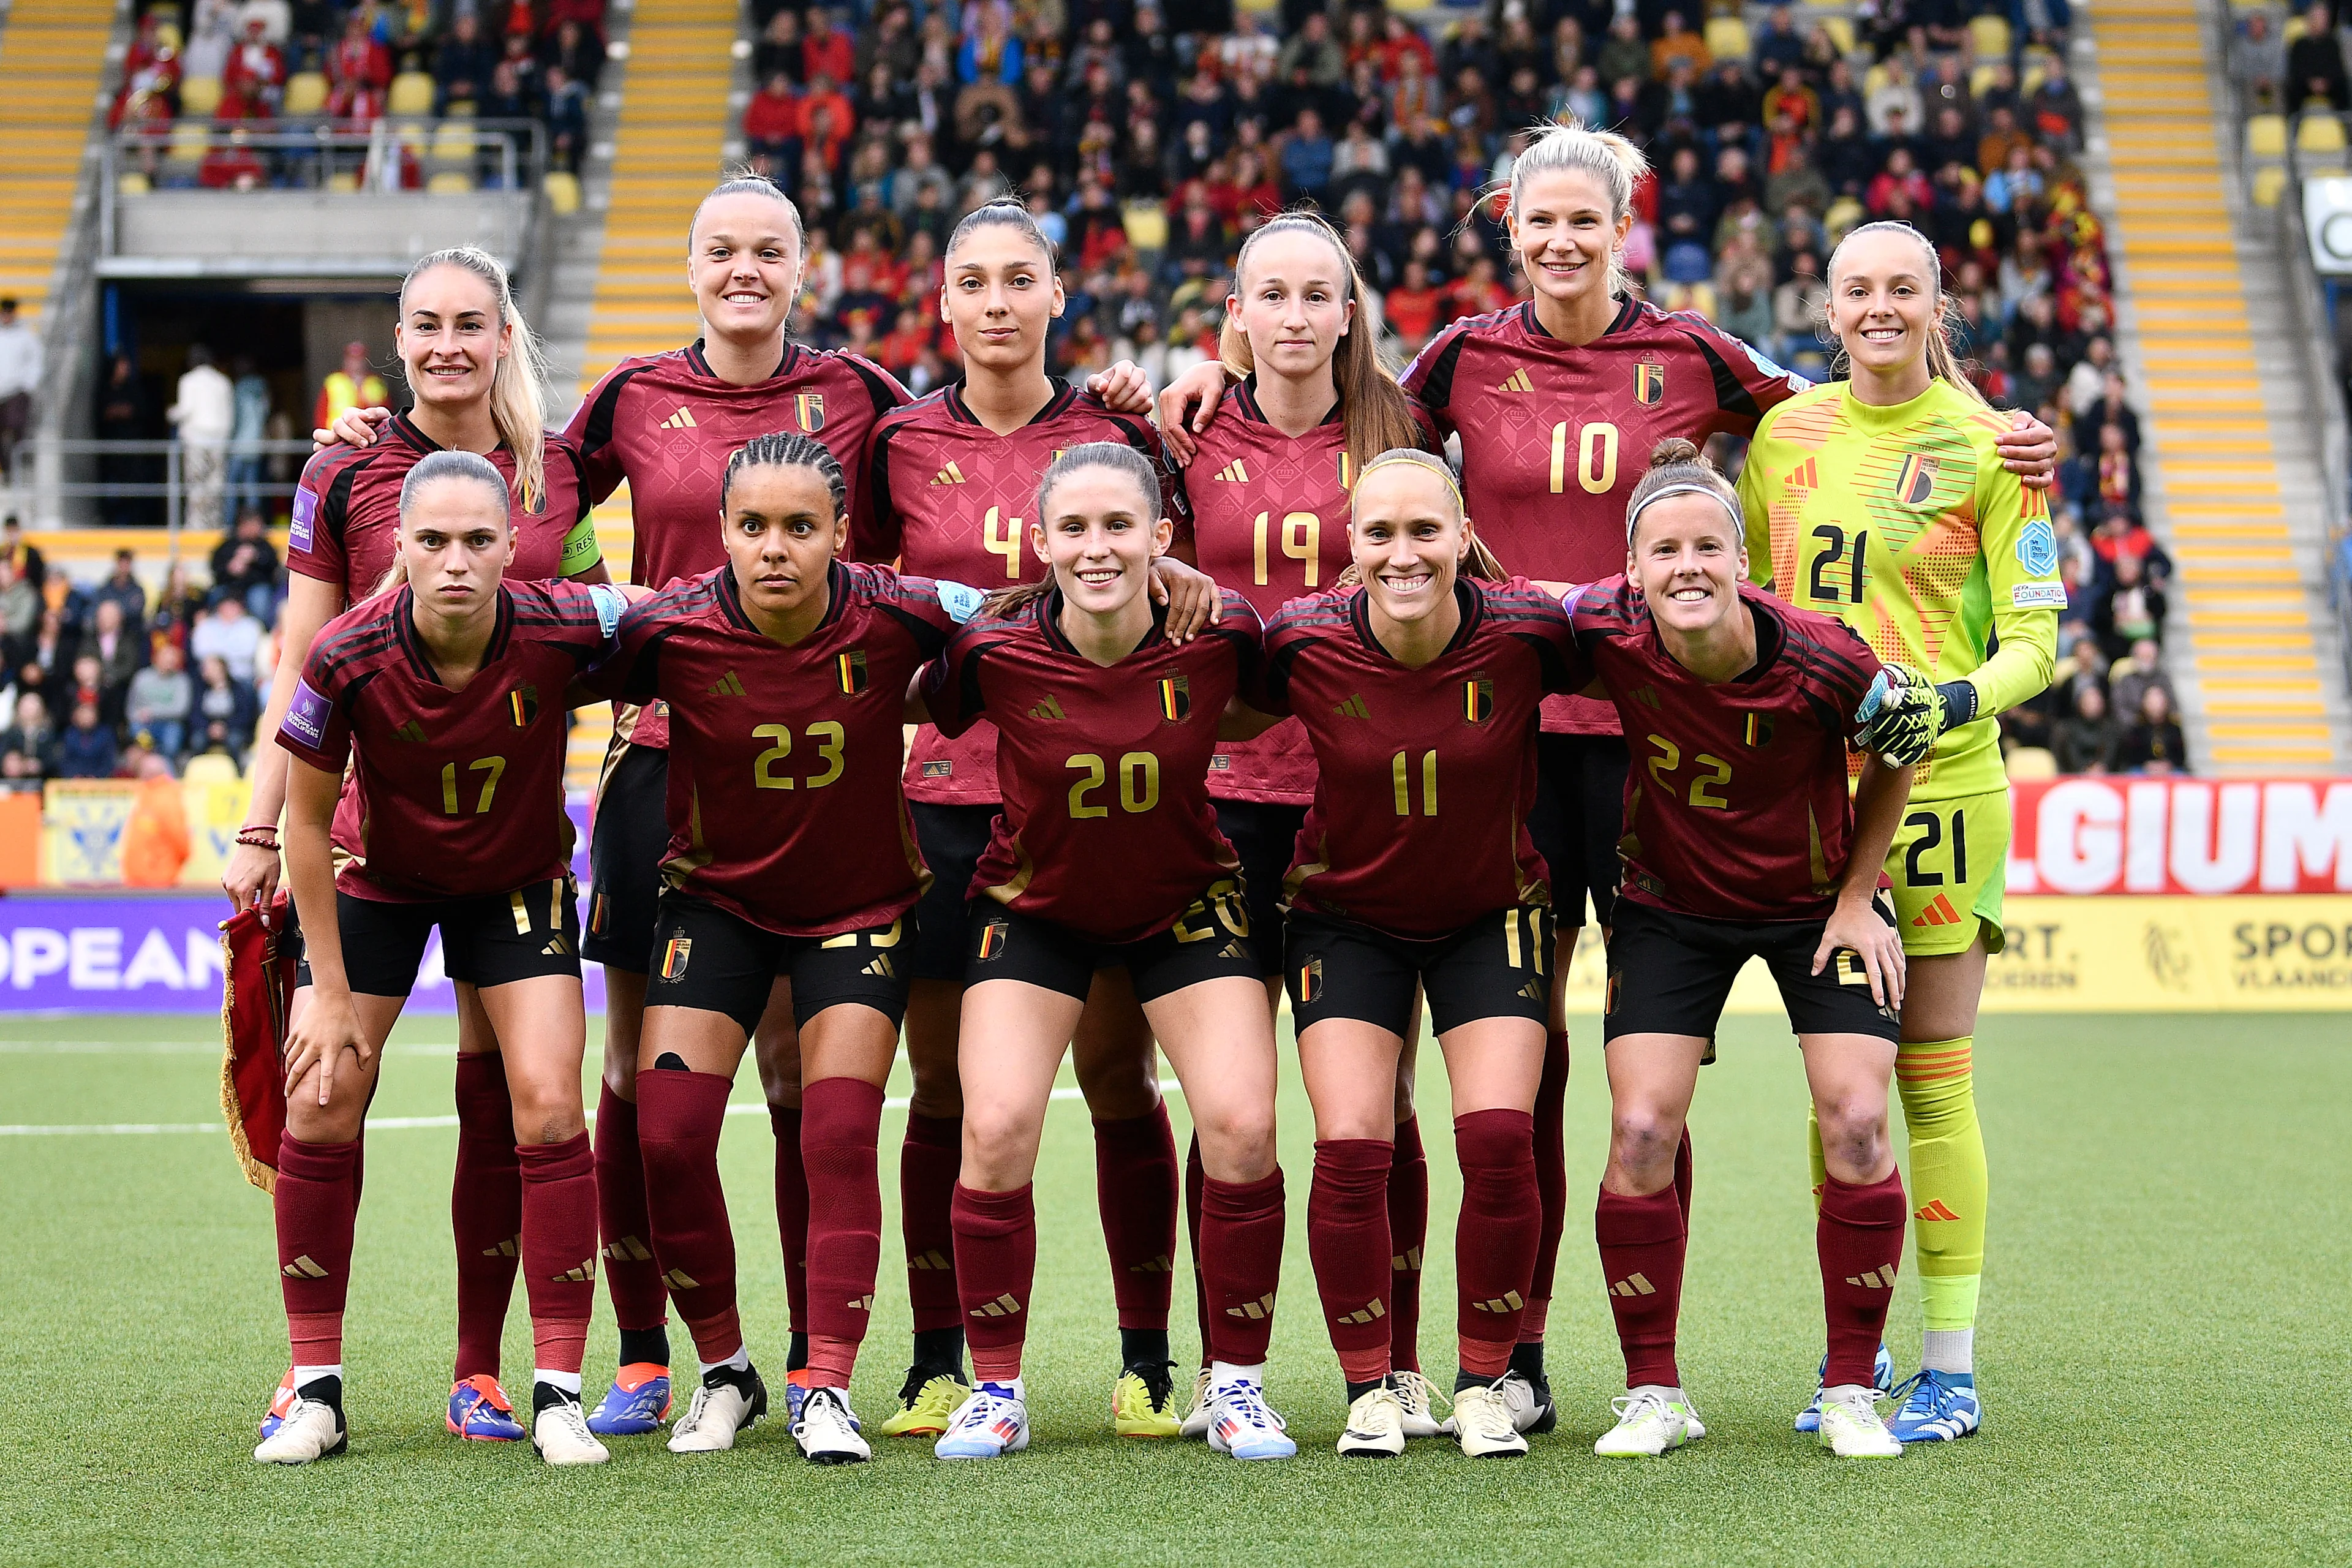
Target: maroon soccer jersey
[1107,827]
[461,791]
[1270,521]
[952,499]
[783,761]
[667,425]
[1736,807]
[1555,436]
[347,510]
[1425,777]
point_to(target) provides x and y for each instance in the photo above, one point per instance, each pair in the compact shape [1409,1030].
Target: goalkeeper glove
[1901,715]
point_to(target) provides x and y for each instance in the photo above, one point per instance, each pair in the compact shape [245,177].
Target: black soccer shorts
[1671,974]
[1209,941]
[1498,967]
[1578,816]
[626,847]
[952,840]
[715,960]
[493,940]
[1264,834]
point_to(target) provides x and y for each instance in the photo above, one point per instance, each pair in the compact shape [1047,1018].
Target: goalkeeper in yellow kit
[1882,501]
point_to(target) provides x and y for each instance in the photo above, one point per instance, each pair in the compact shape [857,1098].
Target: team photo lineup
[1023,718]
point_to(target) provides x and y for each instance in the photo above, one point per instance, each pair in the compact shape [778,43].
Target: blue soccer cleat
[637,1402]
[480,1413]
[992,1422]
[1936,1406]
[1882,1378]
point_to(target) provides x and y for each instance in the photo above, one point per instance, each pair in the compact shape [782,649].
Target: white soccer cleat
[1418,1400]
[1196,1421]
[719,1413]
[992,1423]
[1650,1421]
[1531,1407]
[1375,1425]
[561,1434]
[310,1430]
[1851,1427]
[828,1432]
[1241,1423]
[1483,1422]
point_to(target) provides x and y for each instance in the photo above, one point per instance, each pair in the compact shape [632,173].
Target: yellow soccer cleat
[925,1405]
[1143,1402]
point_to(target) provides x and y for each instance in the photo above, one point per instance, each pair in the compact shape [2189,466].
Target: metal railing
[331,155]
[160,470]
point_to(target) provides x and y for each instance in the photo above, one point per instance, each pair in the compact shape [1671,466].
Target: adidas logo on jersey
[681,420]
[1508,1301]
[579,1273]
[1934,1210]
[411,732]
[510,1247]
[628,1249]
[1254,1310]
[1803,477]
[1233,473]
[1515,382]
[1633,1285]
[1938,912]
[1876,1279]
[1647,696]
[727,685]
[950,475]
[881,968]
[1005,1306]
[1370,1312]
[1406,1262]
[1049,708]
[1353,707]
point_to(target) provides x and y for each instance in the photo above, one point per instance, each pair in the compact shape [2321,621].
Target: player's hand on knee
[329,1028]
[1876,944]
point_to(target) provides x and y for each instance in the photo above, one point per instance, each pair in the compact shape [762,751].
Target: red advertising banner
[2181,836]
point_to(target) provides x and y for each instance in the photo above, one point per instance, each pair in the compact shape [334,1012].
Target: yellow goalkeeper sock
[1949,1180]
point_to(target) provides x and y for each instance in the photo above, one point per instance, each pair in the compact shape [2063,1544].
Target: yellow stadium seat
[210,767]
[343,179]
[2031,82]
[1872,79]
[1841,31]
[563,188]
[190,140]
[200,95]
[131,183]
[306,93]
[2319,133]
[2266,137]
[2268,184]
[450,182]
[1727,38]
[1980,80]
[412,93]
[2031,764]
[1989,35]
[454,141]
[1147,225]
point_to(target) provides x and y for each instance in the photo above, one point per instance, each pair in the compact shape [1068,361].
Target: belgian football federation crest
[1347,472]
[811,407]
[851,667]
[994,936]
[522,703]
[1310,980]
[1649,382]
[1915,481]
[1175,699]
[675,954]
[1478,700]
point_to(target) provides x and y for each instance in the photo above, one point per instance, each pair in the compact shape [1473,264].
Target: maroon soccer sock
[680,1115]
[632,1278]
[1551,1182]
[1494,1242]
[791,1211]
[1241,1241]
[1860,1236]
[1408,1235]
[317,1206]
[559,1248]
[1347,1219]
[1196,1182]
[995,1265]
[927,1163]
[841,1129]
[1134,1188]
[485,1210]
[1643,1243]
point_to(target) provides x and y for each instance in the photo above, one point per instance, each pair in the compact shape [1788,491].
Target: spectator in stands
[122,417]
[24,556]
[256,69]
[161,698]
[2142,668]
[359,72]
[353,386]
[1307,160]
[779,48]
[226,711]
[203,414]
[176,608]
[232,164]
[2153,742]
[245,566]
[87,683]
[229,634]
[2122,534]
[121,652]
[248,423]
[2314,65]
[462,65]
[28,746]
[772,123]
[20,615]
[2083,742]
[575,50]
[20,377]
[564,108]
[122,589]
[2131,608]
[2037,383]
[2258,63]
[86,751]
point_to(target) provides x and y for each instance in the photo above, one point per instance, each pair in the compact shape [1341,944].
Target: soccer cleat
[796,1390]
[1648,1424]
[1375,1427]
[479,1411]
[636,1403]
[561,1434]
[1851,1427]
[721,1410]
[1241,1423]
[1529,1404]
[1485,1420]
[1143,1401]
[926,1404]
[311,1429]
[280,1404]
[993,1422]
[827,1431]
[1417,1399]
[1196,1420]
[1882,1378]
[1936,1407]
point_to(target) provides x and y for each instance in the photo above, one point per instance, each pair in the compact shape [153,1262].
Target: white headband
[1739,523]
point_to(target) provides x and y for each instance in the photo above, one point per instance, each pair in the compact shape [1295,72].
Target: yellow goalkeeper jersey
[1902,523]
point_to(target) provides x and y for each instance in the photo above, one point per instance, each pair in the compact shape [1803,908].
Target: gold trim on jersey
[678,867]
[1024,871]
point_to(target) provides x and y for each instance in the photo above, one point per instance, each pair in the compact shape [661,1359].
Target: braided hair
[787,449]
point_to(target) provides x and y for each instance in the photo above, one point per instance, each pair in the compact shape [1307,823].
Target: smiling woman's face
[745,265]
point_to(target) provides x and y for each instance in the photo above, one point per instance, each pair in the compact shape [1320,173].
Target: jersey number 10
[1596,458]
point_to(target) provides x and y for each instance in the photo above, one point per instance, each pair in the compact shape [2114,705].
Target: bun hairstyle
[787,449]
[1113,455]
[1943,364]
[518,385]
[1568,146]
[1479,561]
[1373,408]
[1678,469]
[434,466]
[1004,211]
[740,180]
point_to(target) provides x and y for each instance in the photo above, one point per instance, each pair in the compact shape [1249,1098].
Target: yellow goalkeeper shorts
[1949,866]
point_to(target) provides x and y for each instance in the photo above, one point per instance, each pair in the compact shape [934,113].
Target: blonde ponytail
[519,386]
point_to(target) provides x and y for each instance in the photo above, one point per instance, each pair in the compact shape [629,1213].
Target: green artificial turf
[2161,1350]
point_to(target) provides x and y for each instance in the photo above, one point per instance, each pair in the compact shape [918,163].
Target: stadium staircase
[620,280]
[52,63]
[2231,465]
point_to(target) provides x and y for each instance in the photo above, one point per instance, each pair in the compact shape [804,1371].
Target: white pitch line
[376,1123]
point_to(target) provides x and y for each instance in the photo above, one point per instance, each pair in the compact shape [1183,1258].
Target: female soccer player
[1740,843]
[1104,729]
[449,693]
[952,475]
[1880,500]
[474,370]
[1418,688]
[786,676]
